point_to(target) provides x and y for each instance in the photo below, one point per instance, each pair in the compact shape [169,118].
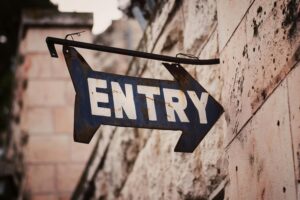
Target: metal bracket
[51,41]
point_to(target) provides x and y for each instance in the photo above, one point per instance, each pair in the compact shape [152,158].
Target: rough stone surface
[261,158]
[44,197]
[230,14]
[198,21]
[293,83]
[255,61]
[42,66]
[31,46]
[45,93]
[37,121]
[48,149]
[259,63]
[41,178]
[63,119]
[67,176]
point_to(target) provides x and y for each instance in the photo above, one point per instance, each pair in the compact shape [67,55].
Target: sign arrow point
[192,136]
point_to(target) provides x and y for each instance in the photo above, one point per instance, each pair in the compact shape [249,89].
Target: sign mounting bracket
[51,41]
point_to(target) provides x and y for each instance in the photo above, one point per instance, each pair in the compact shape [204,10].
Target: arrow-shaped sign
[110,99]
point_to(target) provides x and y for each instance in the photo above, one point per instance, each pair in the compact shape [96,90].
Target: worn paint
[103,98]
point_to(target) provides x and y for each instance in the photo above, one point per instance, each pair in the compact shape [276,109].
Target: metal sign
[110,99]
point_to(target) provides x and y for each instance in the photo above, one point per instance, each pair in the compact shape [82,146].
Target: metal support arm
[51,41]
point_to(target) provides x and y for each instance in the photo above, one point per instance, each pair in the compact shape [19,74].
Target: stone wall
[131,163]
[53,161]
[44,100]
[252,152]
[43,105]
[259,51]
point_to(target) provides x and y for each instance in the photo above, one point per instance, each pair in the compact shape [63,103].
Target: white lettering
[177,107]
[200,104]
[96,97]
[122,101]
[149,92]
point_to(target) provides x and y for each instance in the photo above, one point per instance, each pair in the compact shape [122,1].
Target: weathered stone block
[68,176]
[199,19]
[154,29]
[65,196]
[210,76]
[45,93]
[44,197]
[271,51]
[256,59]
[37,121]
[42,149]
[105,134]
[63,119]
[230,15]
[120,158]
[70,93]
[41,178]
[293,82]
[81,152]
[260,157]
[44,66]
[233,66]
[30,45]
[38,68]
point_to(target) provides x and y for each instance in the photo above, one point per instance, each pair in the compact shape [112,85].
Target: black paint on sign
[110,99]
